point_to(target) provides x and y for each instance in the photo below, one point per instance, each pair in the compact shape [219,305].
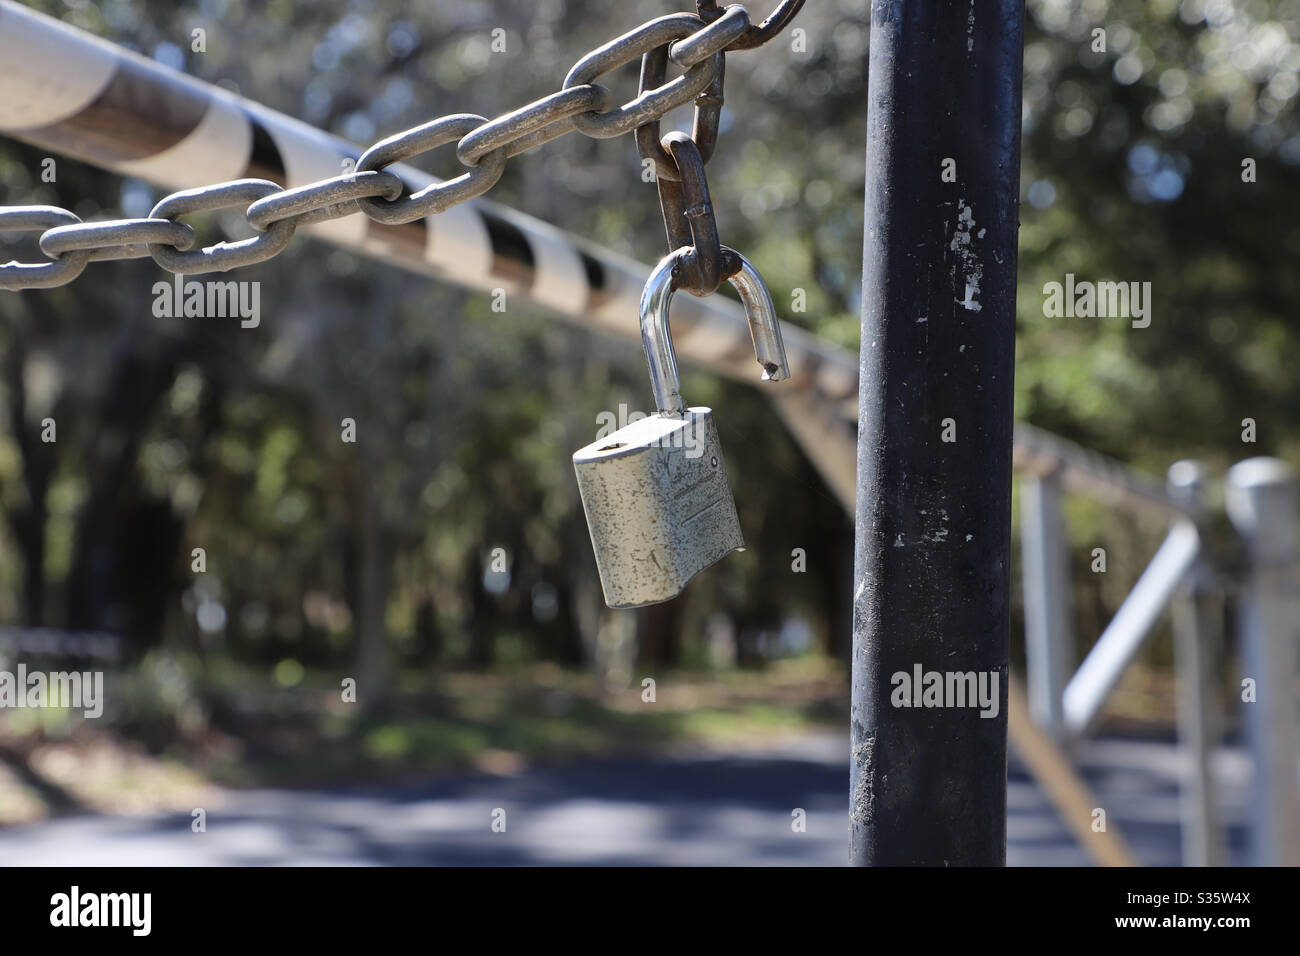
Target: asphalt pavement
[683,809]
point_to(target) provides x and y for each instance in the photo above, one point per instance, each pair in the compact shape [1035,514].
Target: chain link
[703,60]
[323,200]
[694,43]
[761,33]
[482,175]
[39,275]
[689,221]
[539,122]
[117,239]
[224,256]
[708,114]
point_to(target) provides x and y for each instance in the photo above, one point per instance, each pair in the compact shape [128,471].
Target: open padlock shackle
[764,327]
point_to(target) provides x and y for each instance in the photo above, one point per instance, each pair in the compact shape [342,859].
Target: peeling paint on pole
[932,581]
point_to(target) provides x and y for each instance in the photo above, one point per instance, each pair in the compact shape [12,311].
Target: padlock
[655,492]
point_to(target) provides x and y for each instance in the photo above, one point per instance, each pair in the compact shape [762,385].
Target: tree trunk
[375,578]
[659,636]
[28,517]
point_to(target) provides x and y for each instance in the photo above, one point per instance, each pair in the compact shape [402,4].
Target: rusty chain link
[756,35]
[695,43]
[679,162]
[689,221]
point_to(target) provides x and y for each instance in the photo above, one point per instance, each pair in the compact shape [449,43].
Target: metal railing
[1262,499]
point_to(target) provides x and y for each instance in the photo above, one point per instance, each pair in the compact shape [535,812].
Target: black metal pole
[931,567]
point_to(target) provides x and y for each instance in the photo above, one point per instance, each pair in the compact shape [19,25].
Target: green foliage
[1140,151]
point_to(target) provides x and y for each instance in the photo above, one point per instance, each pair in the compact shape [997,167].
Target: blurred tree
[370,557]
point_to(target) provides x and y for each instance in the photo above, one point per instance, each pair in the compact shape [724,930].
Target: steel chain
[319,201]
[756,35]
[435,198]
[224,255]
[116,239]
[694,43]
[689,221]
[40,275]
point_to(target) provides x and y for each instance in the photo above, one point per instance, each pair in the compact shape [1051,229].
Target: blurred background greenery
[327,560]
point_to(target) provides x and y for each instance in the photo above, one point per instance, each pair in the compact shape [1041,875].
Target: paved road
[688,809]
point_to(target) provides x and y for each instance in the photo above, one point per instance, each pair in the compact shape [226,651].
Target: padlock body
[658,505]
